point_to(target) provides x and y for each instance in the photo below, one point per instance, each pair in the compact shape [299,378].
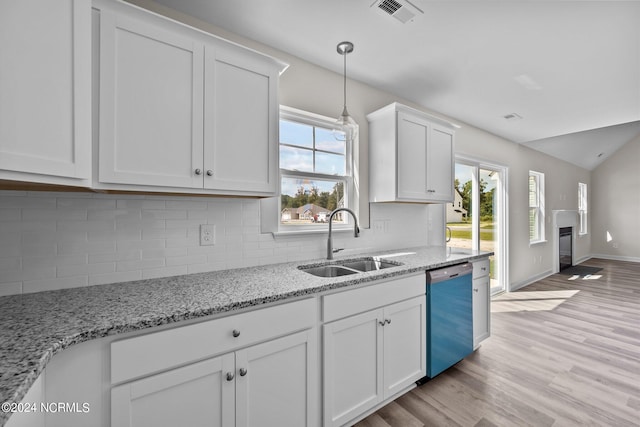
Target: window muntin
[582,207]
[315,170]
[536,207]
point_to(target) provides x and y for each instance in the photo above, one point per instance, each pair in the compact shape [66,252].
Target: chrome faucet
[356,230]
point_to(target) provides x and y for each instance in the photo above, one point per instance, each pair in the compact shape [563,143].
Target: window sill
[310,232]
[537,242]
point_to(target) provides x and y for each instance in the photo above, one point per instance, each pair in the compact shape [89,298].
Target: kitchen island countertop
[34,327]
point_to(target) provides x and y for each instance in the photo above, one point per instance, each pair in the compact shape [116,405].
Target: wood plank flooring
[564,351]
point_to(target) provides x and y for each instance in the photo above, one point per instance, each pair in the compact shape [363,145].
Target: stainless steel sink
[347,267]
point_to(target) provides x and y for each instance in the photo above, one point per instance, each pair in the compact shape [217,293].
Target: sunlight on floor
[587,277]
[530,301]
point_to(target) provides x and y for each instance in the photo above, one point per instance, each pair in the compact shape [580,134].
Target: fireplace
[565,250]
[565,223]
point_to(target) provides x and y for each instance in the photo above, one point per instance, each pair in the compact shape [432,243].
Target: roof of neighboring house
[310,207]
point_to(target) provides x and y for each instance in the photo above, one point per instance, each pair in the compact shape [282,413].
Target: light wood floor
[562,353]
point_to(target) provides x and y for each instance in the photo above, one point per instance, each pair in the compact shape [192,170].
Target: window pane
[533,224]
[331,164]
[325,140]
[296,134]
[307,201]
[296,159]
[533,191]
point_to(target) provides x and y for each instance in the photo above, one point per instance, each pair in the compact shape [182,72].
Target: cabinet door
[405,333]
[440,165]
[481,310]
[241,119]
[197,395]
[151,86]
[413,135]
[45,88]
[352,366]
[276,382]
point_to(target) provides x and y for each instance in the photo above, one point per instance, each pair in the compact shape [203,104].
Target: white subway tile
[121,255]
[151,214]
[26,202]
[79,247]
[9,214]
[37,226]
[10,264]
[139,224]
[186,242]
[156,233]
[142,244]
[139,265]
[86,203]
[89,225]
[29,286]
[186,260]
[50,214]
[34,273]
[175,270]
[117,277]
[209,266]
[140,204]
[32,249]
[13,288]
[114,236]
[182,223]
[85,270]
[186,204]
[114,214]
[163,253]
[53,261]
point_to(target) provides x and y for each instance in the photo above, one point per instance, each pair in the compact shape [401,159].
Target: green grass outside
[466,234]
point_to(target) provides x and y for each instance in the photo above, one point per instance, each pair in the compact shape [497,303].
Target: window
[536,207]
[315,170]
[582,207]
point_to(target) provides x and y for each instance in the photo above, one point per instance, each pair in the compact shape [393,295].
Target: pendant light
[345,122]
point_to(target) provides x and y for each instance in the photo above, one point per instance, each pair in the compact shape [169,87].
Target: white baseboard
[517,285]
[616,257]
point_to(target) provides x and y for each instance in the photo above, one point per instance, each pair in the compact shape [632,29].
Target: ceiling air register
[403,11]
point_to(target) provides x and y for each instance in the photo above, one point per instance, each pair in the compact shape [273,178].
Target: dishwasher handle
[442,274]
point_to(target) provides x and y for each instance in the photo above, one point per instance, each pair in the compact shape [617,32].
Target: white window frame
[583,208]
[537,207]
[351,201]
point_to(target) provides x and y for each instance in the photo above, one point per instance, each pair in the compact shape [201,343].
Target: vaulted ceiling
[569,70]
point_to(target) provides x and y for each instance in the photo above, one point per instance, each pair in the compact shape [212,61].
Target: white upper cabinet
[181,110]
[411,156]
[45,91]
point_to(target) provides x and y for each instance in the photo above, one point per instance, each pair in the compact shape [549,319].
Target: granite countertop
[34,327]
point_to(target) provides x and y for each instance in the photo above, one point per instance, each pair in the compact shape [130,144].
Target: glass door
[476,218]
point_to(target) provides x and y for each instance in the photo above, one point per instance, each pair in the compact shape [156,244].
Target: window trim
[351,201]
[583,210]
[539,207]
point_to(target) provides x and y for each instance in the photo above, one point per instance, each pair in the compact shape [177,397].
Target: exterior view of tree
[486,199]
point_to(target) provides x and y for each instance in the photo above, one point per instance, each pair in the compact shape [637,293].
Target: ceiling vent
[402,10]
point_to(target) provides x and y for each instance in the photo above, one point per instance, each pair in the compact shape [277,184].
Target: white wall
[615,205]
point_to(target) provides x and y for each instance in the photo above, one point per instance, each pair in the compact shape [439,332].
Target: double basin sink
[347,267]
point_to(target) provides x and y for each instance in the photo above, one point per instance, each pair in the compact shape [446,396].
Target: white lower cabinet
[481,302]
[372,356]
[266,384]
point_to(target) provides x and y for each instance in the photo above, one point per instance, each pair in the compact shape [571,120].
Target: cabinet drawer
[146,354]
[481,268]
[355,301]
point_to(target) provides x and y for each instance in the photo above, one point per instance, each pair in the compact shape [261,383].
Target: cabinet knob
[209,172]
[483,268]
[198,171]
[230,376]
[243,372]
[236,333]
[475,290]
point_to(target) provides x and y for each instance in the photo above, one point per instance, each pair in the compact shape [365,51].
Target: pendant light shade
[347,124]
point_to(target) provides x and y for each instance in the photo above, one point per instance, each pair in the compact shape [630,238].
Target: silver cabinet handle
[236,333]
[387,321]
[243,372]
[209,172]
[381,322]
[198,171]
[475,290]
[230,376]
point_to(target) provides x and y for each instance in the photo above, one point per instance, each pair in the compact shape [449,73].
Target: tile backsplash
[59,240]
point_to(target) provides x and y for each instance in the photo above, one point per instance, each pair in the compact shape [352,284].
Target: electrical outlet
[378,226]
[207,234]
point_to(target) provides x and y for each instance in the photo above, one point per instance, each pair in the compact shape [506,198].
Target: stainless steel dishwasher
[449,317]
